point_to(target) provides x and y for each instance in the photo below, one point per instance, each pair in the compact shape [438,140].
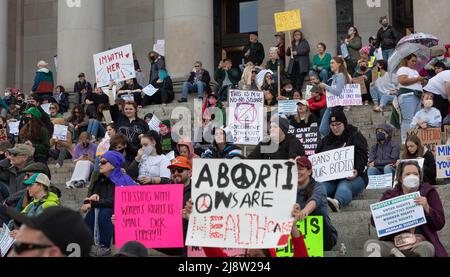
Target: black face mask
[153,58]
[85,145]
[363,68]
[19,102]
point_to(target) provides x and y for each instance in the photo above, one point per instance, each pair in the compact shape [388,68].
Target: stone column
[3,44]
[80,36]
[189,35]
[319,22]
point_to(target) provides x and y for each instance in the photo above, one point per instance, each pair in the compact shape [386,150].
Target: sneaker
[70,186]
[377,109]
[57,166]
[93,251]
[102,252]
[183,100]
[80,184]
[366,103]
[397,253]
[334,205]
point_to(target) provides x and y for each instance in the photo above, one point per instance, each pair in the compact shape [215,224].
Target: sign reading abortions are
[150,215]
[333,165]
[114,65]
[350,96]
[242,204]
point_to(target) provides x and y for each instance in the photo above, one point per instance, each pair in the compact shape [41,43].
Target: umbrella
[422,52]
[420,38]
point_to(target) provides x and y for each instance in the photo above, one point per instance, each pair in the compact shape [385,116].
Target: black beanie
[338,116]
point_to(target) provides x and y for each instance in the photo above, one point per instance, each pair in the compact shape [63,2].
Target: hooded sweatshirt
[387,153]
[36,207]
[190,146]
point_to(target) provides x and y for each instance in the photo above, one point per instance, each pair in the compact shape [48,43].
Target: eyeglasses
[21,247]
[103,162]
[178,170]
[336,125]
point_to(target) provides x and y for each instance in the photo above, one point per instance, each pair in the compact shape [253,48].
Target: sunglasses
[196,66]
[103,162]
[178,170]
[21,247]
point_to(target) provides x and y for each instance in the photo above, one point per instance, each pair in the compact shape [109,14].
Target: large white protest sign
[350,96]
[6,241]
[246,120]
[443,161]
[380,181]
[397,214]
[242,204]
[333,165]
[14,127]
[114,65]
[149,90]
[287,107]
[60,132]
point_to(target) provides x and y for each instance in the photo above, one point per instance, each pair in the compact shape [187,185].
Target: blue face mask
[381,136]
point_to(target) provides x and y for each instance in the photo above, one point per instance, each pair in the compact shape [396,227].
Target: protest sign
[380,181]
[6,241]
[362,83]
[160,47]
[46,108]
[446,134]
[350,96]
[154,123]
[430,137]
[107,116]
[150,215]
[312,231]
[246,120]
[397,214]
[198,252]
[333,165]
[60,132]
[309,137]
[287,107]
[14,127]
[443,161]
[149,90]
[114,65]
[308,92]
[3,135]
[242,204]
[127,97]
[288,21]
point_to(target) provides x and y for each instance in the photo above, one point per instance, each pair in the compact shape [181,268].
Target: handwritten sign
[246,120]
[287,107]
[154,123]
[242,204]
[443,161]
[149,90]
[150,215]
[114,65]
[14,128]
[397,214]
[309,137]
[380,181]
[5,240]
[430,137]
[60,132]
[312,231]
[198,252]
[362,82]
[333,165]
[350,96]
[288,21]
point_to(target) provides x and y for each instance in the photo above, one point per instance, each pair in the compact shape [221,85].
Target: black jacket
[429,168]
[388,38]
[105,188]
[63,103]
[78,87]
[350,137]
[290,148]
[206,77]
[257,54]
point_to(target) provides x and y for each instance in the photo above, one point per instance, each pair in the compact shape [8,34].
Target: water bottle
[343,251]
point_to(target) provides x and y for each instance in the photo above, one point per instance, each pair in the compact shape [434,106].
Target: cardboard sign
[443,161]
[114,65]
[60,132]
[242,204]
[3,135]
[309,137]
[362,82]
[246,120]
[5,240]
[149,90]
[312,230]
[14,128]
[287,107]
[333,165]
[397,214]
[198,252]
[288,21]
[350,96]
[430,137]
[150,215]
[380,181]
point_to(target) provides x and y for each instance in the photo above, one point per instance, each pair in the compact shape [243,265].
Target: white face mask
[411,182]
[148,150]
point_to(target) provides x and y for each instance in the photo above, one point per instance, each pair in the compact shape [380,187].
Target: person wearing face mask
[132,88]
[383,155]
[415,150]
[288,91]
[424,239]
[83,158]
[157,63]
[428,117]
[387,38]
[312,198]
[150,165]
[364,71]
[354,44]
[213,102]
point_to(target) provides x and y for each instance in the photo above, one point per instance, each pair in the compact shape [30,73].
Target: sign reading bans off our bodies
[333,165]
[242,204]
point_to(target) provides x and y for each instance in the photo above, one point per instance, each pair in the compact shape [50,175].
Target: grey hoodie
[387,153]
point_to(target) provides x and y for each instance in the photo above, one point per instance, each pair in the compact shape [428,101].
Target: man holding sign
[341,162]
[409,223]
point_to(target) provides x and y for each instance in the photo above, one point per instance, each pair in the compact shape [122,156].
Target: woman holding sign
[422,241]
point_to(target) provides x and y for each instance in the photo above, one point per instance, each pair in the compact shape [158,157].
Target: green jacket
[36,207]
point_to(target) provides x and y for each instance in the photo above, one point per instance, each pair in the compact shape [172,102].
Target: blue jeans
[344,190]
[324,75]
[380,98]
[387,54]
[196,87]
[325,124]
[409,106]
[386,170]
[95,128]
[105,226]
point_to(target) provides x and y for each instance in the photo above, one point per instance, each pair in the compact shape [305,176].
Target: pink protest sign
[150,215]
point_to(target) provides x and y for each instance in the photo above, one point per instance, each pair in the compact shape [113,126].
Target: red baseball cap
[304,162]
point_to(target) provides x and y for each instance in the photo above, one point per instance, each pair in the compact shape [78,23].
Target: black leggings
[298,77]
[162,96]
